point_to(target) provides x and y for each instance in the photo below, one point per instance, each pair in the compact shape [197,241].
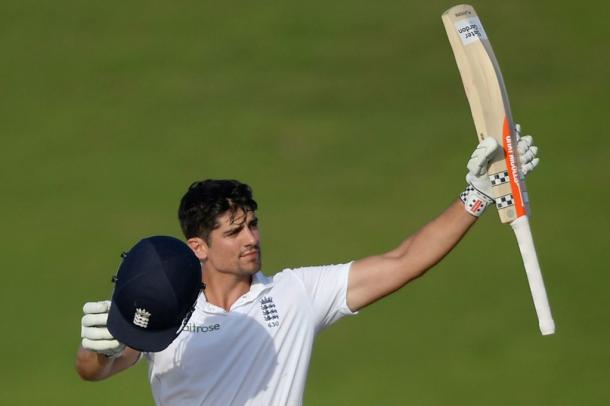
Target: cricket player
[250,338]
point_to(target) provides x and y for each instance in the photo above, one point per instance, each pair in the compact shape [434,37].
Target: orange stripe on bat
[513,171]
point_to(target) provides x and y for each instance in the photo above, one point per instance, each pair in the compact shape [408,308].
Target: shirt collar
[260,283]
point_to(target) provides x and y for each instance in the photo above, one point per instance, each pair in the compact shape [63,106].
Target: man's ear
[199,247]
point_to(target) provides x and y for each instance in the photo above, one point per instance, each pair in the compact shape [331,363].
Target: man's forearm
[93,366]
[444,218]
[433,241]
[375,277]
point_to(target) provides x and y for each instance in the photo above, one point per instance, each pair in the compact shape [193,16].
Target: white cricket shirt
[258,353]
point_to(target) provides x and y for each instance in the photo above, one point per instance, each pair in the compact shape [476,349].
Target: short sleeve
[326,287]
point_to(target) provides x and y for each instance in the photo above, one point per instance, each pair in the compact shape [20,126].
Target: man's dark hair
[207,200]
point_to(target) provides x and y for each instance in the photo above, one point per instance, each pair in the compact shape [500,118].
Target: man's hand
[95,334]
[527,152]
[477,195]
[100,355]
[478,164]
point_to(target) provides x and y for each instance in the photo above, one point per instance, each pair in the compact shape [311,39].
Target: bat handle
[521,227]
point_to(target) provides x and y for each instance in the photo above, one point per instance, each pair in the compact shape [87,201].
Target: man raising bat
[250,337]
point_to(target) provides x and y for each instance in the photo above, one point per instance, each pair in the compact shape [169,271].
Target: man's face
[234,247]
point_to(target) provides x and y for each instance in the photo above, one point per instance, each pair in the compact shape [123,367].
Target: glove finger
[518,131]
[529,155]
[524,143]
[97,307]
[100,345]
[527,168]
[96,333]
[477,165]
[97,320]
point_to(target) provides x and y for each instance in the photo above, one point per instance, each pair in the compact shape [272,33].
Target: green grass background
[349,120]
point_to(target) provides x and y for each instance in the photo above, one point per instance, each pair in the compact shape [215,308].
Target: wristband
[114,354]
[475,202]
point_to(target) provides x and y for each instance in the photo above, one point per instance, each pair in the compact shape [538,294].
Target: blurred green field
[349,120]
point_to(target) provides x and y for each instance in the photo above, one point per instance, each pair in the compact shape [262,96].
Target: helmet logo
[141,318]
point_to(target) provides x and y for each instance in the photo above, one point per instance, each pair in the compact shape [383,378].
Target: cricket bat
[492,117]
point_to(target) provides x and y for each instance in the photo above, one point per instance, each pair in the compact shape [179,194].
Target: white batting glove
[527,152]
[95,334]
[477,195]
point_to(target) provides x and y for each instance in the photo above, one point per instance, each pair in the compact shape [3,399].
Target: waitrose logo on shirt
[193,328]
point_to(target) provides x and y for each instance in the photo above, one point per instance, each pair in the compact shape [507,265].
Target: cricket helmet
[155,291]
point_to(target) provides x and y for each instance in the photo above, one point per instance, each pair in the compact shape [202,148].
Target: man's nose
[251,236]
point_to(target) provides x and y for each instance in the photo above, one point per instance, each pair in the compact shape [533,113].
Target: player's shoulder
[287,279]
[305,273]
[296,272]
[282,276]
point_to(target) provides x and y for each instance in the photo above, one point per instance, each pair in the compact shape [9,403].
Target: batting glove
[95,334]
[477,195]
[527,152]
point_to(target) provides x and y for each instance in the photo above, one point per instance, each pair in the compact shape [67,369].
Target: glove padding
[95,334]
[478,164]
[477,195]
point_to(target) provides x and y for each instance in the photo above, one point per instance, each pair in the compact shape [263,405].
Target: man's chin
[252,268]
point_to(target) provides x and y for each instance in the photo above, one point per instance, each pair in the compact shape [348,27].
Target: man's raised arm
[374,277]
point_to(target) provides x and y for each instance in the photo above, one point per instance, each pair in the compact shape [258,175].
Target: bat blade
[490,108]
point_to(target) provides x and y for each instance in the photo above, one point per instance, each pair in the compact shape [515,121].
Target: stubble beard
[253,265]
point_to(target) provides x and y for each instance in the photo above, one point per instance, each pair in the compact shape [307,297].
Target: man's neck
[223,289]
